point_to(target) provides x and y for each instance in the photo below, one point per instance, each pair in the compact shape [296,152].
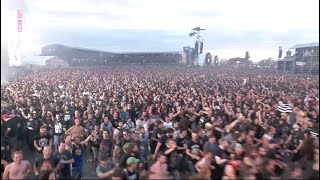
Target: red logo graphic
[19,19]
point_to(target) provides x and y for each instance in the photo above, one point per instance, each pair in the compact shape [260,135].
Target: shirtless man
[76,131]
[18,169]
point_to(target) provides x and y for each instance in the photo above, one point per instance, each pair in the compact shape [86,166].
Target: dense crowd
[161,122]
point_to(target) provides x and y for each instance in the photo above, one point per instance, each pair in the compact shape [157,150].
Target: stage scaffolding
[305,60]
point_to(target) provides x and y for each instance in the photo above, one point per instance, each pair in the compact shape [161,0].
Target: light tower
[196,31]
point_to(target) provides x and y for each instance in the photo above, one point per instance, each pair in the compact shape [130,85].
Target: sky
[232,26]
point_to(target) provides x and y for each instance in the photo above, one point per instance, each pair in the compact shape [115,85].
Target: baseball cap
[132,160]
[5,116]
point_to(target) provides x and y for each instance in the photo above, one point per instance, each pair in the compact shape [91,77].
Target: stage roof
[125,53]
[298,46]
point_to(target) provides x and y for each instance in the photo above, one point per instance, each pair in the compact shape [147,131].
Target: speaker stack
[216,60]
[280,52]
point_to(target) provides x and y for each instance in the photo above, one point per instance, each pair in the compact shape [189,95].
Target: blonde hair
[16,152]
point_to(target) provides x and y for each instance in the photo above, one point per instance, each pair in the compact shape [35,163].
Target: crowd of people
[161,122]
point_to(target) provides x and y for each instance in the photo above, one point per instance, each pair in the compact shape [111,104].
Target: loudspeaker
[216,60]
[208,59]
[247,55]
[196,47]
[280,52]
[201,47]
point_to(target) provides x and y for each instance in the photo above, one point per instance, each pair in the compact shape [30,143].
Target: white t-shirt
[140,123]
[167,125]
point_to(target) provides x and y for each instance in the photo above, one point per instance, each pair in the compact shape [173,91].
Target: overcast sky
[232,26]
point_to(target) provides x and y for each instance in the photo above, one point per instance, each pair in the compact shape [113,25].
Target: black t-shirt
[124,158]
[219,171]
[54,113]
[66,155]
[193,125]
[46,164]
[163,141]
[296,137]
[127,175]
[195,148]
[216,133]
[98,140]
[154,134]
[241,127]
[12,124]
[122,142]
[115,122]
[43,141]
[204,139]
[98,119]
[67,118]
[151,127]
[3,128]
[171,159]
[221,153]
[259,131]
[5,151]
[181,142]
[106,147]
[31,125]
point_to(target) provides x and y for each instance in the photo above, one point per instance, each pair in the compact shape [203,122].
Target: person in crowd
[130,172]
[47,175]
[161,145]
[117,174]
[5,155]
[132,150]
[106,145]
[159,168]
[96,137]
[11,123]
[58,133]
[31,128]
[77,130]
[19,168]
[76,148]
[106,125]
[105,169]
[194,152]
[47,162]
[42,140]
[118,151]
[66,160]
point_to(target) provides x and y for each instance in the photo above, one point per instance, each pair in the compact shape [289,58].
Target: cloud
[232,26]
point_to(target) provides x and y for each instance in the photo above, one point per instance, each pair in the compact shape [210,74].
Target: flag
[284,108]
